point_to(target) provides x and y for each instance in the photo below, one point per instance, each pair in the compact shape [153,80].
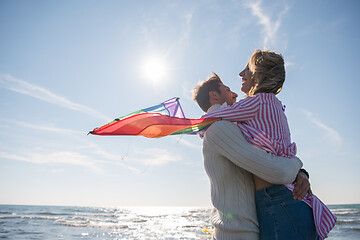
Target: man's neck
[213,108]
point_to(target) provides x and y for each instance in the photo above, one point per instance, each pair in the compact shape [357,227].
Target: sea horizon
[126,206]
[22,222]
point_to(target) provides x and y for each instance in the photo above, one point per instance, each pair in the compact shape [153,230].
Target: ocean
[56,222]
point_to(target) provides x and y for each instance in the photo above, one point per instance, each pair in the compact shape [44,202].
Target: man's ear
[213,95]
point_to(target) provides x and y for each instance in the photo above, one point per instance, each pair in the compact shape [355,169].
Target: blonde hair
[268,71]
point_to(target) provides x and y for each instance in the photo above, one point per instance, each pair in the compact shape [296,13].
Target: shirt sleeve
[225,139]
[241,111]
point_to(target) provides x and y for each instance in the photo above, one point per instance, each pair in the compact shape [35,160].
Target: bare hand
[302,186]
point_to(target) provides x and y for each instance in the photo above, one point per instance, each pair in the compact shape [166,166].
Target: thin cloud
[144,157]
[46,128]
[332,134]
[63,157]
[289,64]
[103,157]
[156,157]
[270,27]
[9,82]
[93,148]
[59,170]
[106,157]
[189,144]
[185,36]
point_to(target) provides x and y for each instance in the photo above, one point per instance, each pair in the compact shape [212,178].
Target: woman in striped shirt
[261,118]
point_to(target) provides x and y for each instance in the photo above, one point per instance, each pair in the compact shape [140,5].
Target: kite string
[168,150]
[127,151]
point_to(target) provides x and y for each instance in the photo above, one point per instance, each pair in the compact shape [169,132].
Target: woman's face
[247,80]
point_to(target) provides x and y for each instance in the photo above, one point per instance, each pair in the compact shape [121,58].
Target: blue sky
[67,67]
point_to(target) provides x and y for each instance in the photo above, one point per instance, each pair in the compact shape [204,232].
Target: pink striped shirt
[262,120]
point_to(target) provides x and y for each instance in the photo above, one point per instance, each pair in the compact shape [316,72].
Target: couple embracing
[258,188]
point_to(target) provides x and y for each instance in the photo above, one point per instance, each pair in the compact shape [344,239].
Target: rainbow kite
[161,120]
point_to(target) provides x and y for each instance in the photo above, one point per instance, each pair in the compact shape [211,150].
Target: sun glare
[154,70]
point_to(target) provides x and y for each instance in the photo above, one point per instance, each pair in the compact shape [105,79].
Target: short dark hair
[201,91]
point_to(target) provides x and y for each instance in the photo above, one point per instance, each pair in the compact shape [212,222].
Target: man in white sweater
[230,160]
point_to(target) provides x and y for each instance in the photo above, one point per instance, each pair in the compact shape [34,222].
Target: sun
[154,70]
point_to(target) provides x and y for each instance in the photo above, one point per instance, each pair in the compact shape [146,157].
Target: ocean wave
[114,215]
[129,223]
[72,223]
[87,220]
[39,217]
[346,211]
[53,214]
[92,224]
[349,229]
[348,221]
[140,221]
[9,216]
[82,218]
[5,212]
[28,233]
[190,226]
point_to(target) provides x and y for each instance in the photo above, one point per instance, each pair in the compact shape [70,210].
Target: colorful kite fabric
[161,120]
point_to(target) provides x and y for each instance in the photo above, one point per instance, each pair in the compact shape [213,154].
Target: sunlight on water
[51,222]
[112,223]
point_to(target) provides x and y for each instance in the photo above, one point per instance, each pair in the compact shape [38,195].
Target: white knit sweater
[229,158]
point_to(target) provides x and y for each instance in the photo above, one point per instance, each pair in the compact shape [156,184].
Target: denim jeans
[283,218]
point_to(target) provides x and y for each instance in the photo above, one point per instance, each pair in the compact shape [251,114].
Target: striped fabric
[262,120]
[323,217]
